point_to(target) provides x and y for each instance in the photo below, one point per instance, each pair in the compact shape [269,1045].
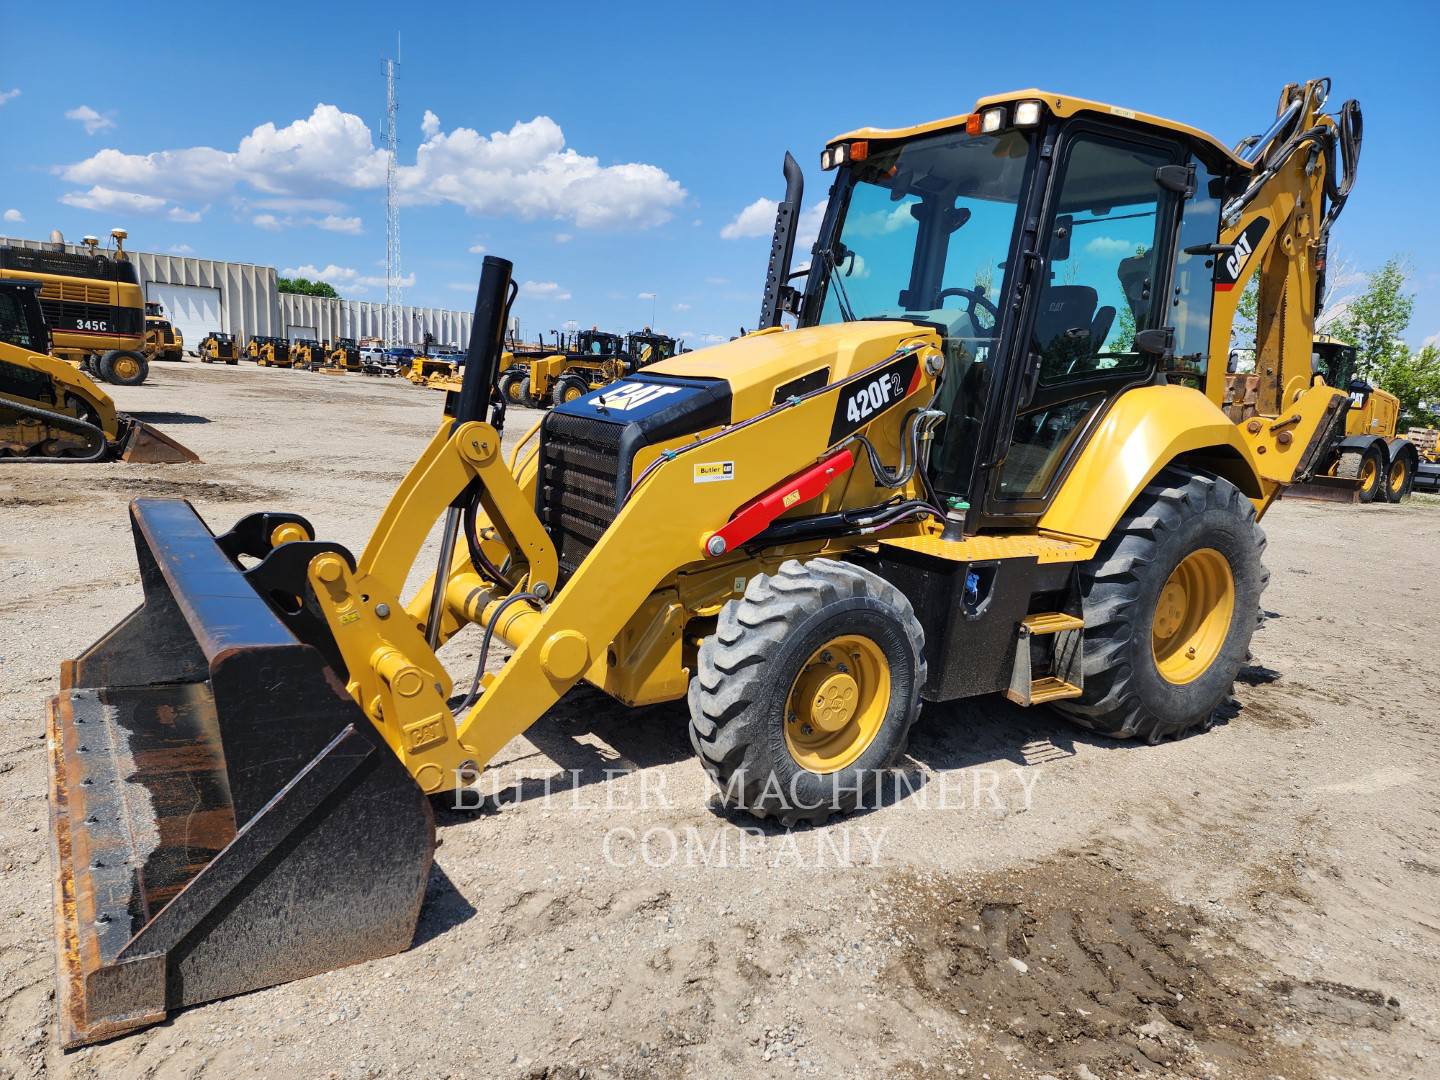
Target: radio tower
[393,330]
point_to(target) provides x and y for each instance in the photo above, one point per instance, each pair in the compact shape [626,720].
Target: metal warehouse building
[201,295]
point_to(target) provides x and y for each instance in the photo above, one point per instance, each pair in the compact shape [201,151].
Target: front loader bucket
[223,816]
[145,445]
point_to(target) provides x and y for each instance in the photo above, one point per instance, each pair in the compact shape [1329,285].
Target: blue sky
[634,137]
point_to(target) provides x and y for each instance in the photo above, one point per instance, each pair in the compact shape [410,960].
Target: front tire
[568,388]
[124,368]
[1170,603]
[807,690]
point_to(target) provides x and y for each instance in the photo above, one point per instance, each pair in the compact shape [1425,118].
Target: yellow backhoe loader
[218,347]
[958,474]
[92,304]
[50,410]
[163,340]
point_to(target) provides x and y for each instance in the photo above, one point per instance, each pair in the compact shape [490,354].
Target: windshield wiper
[847,313]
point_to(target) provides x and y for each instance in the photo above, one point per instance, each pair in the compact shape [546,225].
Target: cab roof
[1059,105]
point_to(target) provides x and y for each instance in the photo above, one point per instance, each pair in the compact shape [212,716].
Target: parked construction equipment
[345,355]
[50,410]
[272,352]
[1427,445]
[163,341]
[307,354]
[92,304]
[804,531]
[218,347]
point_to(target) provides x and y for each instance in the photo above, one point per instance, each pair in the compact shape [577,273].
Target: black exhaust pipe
[487,331]
[782,244]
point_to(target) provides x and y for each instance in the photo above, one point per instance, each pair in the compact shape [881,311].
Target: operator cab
[1065,251]
[22,323]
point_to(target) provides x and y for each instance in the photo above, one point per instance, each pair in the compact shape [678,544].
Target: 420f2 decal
[864,399]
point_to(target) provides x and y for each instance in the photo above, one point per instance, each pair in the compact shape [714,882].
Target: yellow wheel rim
[1368,473]
[1397,477]
[512,391]
[837,704]
[126,367]
[572,393]
[1192,617]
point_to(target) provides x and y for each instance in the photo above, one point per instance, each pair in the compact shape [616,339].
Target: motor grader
[50,410]
[958,473]
[1369,461]
[92,305]
[594,358]
[218,347]
[163,340]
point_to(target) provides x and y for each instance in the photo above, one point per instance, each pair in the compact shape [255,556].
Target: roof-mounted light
[992,120]
[1027,114]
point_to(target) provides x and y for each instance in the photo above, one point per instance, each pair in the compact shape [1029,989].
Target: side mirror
[1160,343]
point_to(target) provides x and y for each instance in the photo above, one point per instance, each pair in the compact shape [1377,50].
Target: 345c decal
[864,399]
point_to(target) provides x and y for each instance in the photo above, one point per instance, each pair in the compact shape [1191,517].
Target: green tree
[1375,323]
[306,287]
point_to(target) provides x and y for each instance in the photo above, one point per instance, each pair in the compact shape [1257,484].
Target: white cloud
[12,215]
[8,95]
[180,249]
[344,275]
[1109,245]
[547,290]
[477,249]
[334,223]
[267,221]
[682,307]
[757,219]
[180,214]
[527,172]
[104,198]
[89,119]
[646,296]
[563,237]
[429,124]
[292,205]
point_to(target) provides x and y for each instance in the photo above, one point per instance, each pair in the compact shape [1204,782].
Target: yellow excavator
[92,304]
[990,456]
[50,410]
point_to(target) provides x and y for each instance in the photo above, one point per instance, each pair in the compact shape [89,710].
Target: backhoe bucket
[145,445]
[223,816]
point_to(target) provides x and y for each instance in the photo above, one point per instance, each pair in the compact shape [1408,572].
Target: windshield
[925,233]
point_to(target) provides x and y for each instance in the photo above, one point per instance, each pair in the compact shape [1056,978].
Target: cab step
[1049,669]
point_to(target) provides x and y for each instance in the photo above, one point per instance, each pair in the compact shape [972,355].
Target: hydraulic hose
[93,434]
[475,687]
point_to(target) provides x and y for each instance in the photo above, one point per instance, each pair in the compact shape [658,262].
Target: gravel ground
[1257,901]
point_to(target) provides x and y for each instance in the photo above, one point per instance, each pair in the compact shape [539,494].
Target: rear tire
[510,387]
[1366,467]
[124,368]
[526,398]
[1142,608]
[1400,478]
[824,639]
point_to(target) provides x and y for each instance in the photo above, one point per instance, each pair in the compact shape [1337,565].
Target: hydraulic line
[475,687]
[93,434]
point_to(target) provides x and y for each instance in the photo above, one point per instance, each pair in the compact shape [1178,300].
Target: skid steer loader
[218,347]
[50,410]
[805,532]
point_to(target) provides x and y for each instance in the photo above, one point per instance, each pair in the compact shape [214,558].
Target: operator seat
[1065,326]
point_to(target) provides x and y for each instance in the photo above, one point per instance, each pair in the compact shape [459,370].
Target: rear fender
[1144,431]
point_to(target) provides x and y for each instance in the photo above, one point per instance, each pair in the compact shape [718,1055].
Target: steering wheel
[975,299]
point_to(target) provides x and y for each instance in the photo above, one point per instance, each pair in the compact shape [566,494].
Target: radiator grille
[579,462]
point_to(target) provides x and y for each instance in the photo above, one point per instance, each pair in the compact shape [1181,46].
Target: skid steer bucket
[223,816]
[145,445]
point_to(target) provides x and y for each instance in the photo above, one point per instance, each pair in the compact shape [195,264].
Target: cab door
[1107,251]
